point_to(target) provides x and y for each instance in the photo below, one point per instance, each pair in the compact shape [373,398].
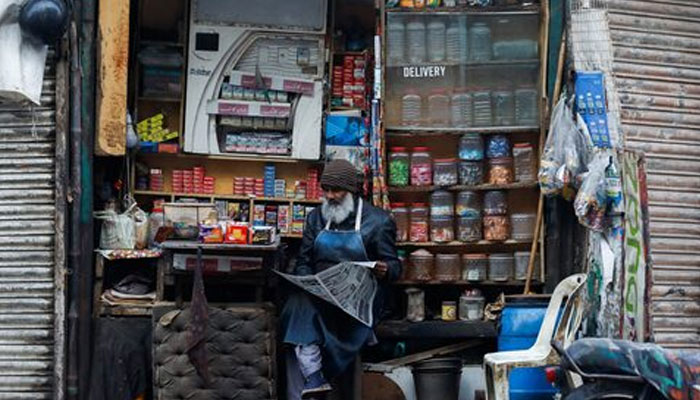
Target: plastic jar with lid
[400,213]
[482,114]
[419,223]
[445,172]
[457,40]
[522,261]
[480,45]
[495,202]
[469,229]
[501,267]
[442,229]
[437,39]
[498,146]
[496,228]
[396,41]
[468,204]
[524,162]
[447,267]
[441,204]
[471,147]
[475,267]
[522,226]
[398,167]
[501,171]
[503,108]
[461,109]
[471,173]
[471,308]
[411,109]
[422,266]
[526,109]
[439,108]
[421,167]
[416,40]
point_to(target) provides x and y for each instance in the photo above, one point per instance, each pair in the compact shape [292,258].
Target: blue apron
[306,320]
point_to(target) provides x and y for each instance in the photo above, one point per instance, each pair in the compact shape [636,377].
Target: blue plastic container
[520,324]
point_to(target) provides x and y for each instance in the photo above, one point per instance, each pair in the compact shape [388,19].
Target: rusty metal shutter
[657,74]
[27,247]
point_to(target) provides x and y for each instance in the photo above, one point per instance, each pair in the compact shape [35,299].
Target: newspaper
[347,285]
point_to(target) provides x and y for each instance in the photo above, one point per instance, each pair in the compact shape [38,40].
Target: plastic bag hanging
[591,201]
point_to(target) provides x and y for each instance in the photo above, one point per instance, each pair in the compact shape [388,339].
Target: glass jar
[457,43]
[480,45]
[503,108]
[501,267]
[422,266]
[421,167]
[441,204]
[411,109]
[438,108]
[445,172]
[469,229]
[400,213]
[471,147]
[524,162]
[526,107]
[468,204]
[498,146]
[471,308]
[501,171]
[496,228]
[474,267]
[461,109]
[471,173]
[495,202]
[398,167]
[522,226]
[415,37]
[418,228]
[396,41]
[447,267]
[415,305]
[482,114]
[442,229]
[436,39]
[522,261]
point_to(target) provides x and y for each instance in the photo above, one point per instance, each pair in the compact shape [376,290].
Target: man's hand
[380,269]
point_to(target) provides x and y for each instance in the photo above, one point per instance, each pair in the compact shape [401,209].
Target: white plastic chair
[497,366]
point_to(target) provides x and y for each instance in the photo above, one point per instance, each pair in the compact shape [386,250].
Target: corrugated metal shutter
[27,235]
[657,74]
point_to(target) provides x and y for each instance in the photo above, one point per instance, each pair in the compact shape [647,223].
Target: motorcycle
[619,369]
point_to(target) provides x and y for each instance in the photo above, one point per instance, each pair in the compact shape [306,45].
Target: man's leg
[295,379]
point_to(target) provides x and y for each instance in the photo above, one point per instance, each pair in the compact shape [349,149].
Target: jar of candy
[471,307]
[445,172]
[468,204]
[501,267]
[447,267]
[411,109]
[439,108]
[482,113]
[497,146]
[422,266]
[441,204]
[480,45]
[400,213]
[471,173]
[501,171]
[469,229]
[421,167]
[496,228]
[503,108]
[442,229]
[471,147]
[524,162]
[495,202]
[398,167]
[474,267]
[418,228]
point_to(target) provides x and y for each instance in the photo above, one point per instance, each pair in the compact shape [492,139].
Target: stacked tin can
[269,180]
[156,181]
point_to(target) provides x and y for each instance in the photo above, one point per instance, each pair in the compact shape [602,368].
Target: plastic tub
[421,167]
[441,204]
[461,109]
[496,228]
[475,267]
[471,308]
[498,146]
[439,108]
[501,171]
[522,259]
[501,267]
[471,147]
[495,203]
[411,109]
[442,229]
[421,267]
[419,225]
[398,167]
[438,378]
[471,173]
[503,108]
[522,226]
[524,162]
[447,267]
[400,213]
[469,229]
[468,204]
[445,172]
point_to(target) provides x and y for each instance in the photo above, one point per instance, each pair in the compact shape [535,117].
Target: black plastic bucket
[438,378]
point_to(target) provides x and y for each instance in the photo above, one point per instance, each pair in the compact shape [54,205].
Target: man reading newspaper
[324,337]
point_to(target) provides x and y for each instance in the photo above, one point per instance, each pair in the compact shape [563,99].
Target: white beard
[338,212]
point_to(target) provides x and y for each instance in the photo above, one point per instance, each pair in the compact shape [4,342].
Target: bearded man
[323,340]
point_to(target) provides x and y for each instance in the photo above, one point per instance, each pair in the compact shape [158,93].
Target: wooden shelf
[194,245]
[292,235]
[457,188]
[468,64]
[226,157]
[471,10]
[436,329]
[463,283]
[409,131]
[157,99]
[481,243]
[227,197]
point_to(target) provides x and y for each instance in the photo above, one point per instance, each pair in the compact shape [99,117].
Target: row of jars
[463,109]
[506,164]
[496,267]
[470,308]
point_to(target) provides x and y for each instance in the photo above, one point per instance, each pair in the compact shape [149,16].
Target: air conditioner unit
[255,78]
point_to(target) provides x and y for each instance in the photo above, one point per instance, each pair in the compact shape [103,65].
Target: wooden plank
[194,245]
[440,351]
[112,77]
[436,329]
